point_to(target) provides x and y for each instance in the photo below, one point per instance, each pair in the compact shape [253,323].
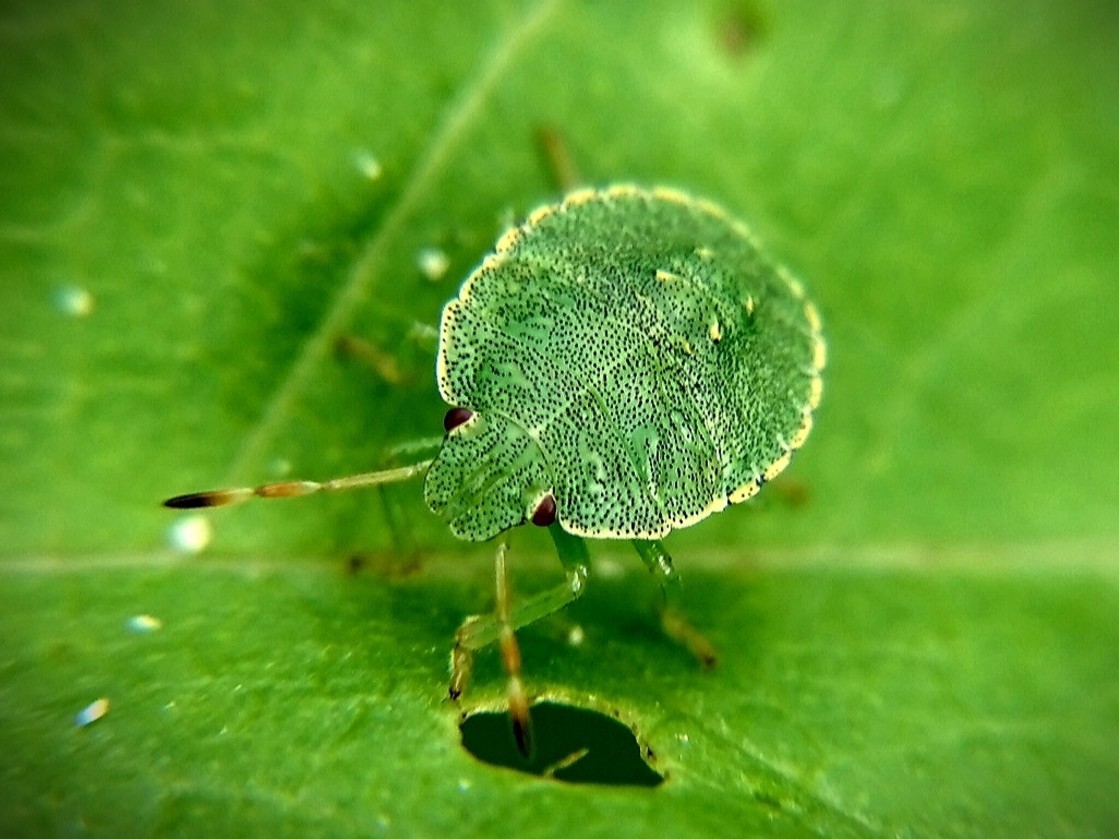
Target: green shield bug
[625,363]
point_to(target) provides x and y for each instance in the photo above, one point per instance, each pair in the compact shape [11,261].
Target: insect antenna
[293,489]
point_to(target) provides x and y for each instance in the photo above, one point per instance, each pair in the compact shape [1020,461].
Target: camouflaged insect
[625,363]
[629,353]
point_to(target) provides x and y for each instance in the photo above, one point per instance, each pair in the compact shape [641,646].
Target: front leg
[479,631]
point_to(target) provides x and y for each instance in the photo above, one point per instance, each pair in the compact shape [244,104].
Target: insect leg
[479,631]
[675,625]
[556,157]
[383,365]
[511,658]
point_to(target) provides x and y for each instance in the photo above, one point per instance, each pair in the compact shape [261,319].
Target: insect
[623,364]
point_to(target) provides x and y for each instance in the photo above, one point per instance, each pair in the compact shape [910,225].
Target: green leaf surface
[917,627]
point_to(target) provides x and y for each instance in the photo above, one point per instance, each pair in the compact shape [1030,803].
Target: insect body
[629,355]
[625,363]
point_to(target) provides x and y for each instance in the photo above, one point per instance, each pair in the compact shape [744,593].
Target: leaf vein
[458,116]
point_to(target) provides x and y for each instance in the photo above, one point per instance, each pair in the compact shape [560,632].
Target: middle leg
[675,625]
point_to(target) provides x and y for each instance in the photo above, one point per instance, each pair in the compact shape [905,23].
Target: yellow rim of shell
[763,474]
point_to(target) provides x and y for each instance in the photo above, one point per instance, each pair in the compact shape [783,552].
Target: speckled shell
[634,354]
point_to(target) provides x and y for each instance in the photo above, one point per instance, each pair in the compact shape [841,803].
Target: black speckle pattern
[630,352]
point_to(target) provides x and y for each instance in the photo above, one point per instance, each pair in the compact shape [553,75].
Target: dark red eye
[545,512]
[456,417]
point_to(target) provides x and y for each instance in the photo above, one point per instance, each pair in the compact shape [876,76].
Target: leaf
[917,628]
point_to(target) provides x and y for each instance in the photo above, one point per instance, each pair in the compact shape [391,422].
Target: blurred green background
[918,627]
